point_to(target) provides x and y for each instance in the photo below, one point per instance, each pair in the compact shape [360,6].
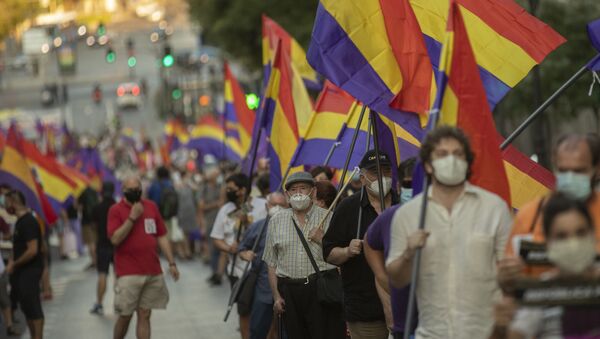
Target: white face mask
[450,170]
[576,184]
[274,210]
[374,185]
[299,201]
[573,255]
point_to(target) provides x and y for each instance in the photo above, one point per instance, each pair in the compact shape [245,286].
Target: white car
[129,95]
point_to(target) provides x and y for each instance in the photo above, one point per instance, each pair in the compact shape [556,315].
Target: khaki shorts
[89,233]
[140,291]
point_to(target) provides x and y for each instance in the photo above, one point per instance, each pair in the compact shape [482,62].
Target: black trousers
[305,317]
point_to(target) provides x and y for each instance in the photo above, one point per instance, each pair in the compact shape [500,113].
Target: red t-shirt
[137,254]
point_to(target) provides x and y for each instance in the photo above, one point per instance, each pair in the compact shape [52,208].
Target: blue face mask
[579,186]
[405,195]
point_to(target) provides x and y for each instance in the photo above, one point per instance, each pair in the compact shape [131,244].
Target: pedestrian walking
[210,201]
[571,248]
[292,275]
[261,315]
[343,247]
[86,202]
[136,228]
[466,231]
[232,220]
[376,246]
[26,267]
[576,162]
[104,248]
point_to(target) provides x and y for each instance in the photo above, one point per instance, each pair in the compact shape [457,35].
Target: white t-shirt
[226,228]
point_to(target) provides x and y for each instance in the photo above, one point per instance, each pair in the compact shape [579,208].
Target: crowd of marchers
[309,261]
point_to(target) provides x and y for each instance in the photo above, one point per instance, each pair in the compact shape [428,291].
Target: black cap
[369,160]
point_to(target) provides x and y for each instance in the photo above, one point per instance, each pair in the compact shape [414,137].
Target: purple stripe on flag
[593,29]
[31,197]
[312,152]
[594,65]
[495,89]
[330,47]
[274,165]
[214,147]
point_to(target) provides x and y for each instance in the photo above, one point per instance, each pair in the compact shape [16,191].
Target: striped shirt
[284,250]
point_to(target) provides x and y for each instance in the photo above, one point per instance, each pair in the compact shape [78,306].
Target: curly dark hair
[434,137]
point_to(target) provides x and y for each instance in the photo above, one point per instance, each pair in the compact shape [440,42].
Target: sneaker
[97,309]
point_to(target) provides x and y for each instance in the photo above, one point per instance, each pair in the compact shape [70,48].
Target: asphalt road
[195,310]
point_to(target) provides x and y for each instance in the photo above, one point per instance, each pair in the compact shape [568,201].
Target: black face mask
[232,196]
[133,196]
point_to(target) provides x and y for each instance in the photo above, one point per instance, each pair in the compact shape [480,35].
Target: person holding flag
[467,229]
[343,246]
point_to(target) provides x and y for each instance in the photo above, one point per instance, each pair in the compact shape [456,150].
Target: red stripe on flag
[333,99]
[406,39]
[245,115]
[474,115]
[514,23]
[285,98]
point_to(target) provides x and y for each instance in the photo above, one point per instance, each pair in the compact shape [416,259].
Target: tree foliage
[12,12]
[235,25]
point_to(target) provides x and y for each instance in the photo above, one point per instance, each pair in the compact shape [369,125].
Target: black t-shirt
[361,302]
[27,228]
[100,217]
[87,200]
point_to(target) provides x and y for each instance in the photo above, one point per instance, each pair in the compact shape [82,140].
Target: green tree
[569,18]
[12,12]
[235,25]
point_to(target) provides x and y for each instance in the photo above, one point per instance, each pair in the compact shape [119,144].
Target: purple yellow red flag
[285,115]
[272,32]
[16,172]
[208,137]
[357,44]
[238,117]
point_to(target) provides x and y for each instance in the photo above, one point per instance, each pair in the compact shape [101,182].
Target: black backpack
[169,202]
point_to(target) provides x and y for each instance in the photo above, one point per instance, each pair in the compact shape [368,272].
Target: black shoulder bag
[329,283]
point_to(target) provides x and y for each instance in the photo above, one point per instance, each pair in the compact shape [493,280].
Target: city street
[195,309]
[22,91]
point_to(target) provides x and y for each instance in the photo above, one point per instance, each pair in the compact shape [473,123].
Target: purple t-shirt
[378,237]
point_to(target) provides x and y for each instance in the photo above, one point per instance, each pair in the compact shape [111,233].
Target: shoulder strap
[538,211]
[306,248]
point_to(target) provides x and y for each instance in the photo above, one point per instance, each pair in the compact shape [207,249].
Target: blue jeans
[261,317]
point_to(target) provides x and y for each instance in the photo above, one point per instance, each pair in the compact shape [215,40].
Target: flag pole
[544,105]
[377,160]
[416,263]
[352,144]
[362,189]
[330,154]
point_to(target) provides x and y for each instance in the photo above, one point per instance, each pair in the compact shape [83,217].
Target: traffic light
[176,94]
[167,59]
[131,61]
[111,56]
[252,101]
[101,30]
[204,100]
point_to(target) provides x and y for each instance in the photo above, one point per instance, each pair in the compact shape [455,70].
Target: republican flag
[374,50]
[208,137]
[271,34]
[16,172]
[285,115]
[239,119]
[59,187]
[461,102]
